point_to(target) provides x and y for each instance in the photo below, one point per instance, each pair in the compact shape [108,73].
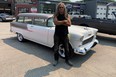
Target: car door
[28,33]
[39,31]
[51,26]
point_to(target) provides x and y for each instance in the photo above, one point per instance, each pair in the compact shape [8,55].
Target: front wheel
[20,37]
[61,51]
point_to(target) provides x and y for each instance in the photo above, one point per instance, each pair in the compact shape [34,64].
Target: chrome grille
[87,40]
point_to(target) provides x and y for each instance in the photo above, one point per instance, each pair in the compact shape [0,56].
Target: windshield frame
[47,22]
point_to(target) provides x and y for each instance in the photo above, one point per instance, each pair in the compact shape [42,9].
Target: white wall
[101,11]
[111,9]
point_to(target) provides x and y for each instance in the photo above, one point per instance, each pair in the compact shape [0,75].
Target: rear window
[28,20]
[39,21]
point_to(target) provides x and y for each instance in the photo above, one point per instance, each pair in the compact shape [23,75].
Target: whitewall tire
[20,37]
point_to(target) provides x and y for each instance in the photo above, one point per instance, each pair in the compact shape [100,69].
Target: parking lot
[30,59]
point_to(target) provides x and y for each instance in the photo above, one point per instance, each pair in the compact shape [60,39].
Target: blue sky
[77,0]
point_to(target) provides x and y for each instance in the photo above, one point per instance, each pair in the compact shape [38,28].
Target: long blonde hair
[57,10]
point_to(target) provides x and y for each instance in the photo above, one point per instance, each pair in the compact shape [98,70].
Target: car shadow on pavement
[107,40]
[46,54]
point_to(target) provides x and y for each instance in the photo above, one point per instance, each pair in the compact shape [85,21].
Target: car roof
[40,15]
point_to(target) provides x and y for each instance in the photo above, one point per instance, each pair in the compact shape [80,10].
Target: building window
[23,10]
[23,1]
[101,8]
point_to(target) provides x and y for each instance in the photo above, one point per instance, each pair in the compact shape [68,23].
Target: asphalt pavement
[29,59]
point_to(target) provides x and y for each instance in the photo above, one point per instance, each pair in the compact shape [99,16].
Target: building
[18,6]
[25,6]
[6,6]
[49,6]
[98,9]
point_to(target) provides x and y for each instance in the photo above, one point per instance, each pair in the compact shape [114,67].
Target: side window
[28,20]
[39,22]
[20,19]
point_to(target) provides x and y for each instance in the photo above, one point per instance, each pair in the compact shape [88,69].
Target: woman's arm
[68,21]
[56,22]
[64,22]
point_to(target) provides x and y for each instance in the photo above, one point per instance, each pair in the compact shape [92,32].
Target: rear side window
[20,19]
[39,22]
[28,20]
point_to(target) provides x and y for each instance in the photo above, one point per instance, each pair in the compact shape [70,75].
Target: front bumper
[8,19]
[82,50]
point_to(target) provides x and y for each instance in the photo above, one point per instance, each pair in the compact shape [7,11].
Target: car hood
[76,31]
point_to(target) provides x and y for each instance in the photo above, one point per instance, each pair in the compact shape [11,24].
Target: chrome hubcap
[61,51]
[20,37]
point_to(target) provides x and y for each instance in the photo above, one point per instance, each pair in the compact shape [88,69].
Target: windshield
[50,22]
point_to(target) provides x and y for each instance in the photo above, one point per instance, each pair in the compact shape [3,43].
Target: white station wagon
[40,28]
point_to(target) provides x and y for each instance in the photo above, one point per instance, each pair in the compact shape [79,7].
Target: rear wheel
[20,37]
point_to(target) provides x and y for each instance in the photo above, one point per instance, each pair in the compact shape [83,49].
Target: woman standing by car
[61,21]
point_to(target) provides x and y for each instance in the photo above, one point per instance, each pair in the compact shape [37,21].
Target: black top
[61,30]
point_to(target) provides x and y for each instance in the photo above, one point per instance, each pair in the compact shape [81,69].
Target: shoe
[69,63]
[55,63]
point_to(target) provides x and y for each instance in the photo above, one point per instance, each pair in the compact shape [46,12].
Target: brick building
[18,6]
[23,6]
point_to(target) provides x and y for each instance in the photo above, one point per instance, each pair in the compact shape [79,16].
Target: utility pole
[12,6]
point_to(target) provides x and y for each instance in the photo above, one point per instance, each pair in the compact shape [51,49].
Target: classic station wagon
[40,28]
